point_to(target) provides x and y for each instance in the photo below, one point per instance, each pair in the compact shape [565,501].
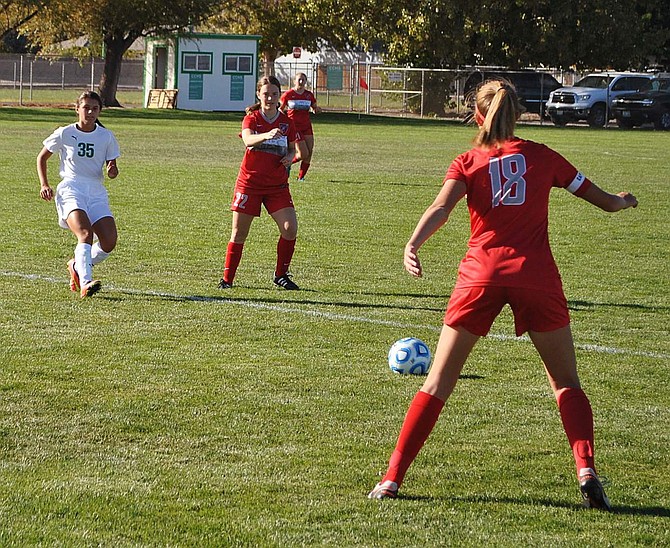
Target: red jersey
[261,167]
[508,199]
[298,105]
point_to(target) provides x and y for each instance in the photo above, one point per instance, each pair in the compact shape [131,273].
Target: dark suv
[653,106]
[532,87]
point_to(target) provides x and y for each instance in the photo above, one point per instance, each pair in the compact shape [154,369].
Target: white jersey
[83,154]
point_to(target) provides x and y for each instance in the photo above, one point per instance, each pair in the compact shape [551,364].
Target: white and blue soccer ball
[409,356]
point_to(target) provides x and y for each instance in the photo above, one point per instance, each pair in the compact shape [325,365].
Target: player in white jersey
[85,148]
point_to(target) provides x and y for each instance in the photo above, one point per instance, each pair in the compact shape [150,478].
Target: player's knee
[289,231]
[109,245]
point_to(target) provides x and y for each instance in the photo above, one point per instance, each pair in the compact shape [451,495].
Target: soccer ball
[409,356]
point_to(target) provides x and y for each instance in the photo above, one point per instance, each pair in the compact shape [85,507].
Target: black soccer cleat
[286,282]
[223,284]
[592,490]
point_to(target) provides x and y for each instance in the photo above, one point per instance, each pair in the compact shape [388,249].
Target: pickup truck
[591,97]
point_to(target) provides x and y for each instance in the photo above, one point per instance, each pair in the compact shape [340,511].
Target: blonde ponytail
[498,105]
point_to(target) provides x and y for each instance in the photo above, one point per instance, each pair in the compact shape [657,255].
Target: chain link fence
[359,87]
[27,79]
[396,91]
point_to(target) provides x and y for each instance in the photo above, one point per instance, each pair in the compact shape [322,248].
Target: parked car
[651,106]
[591,98]
[532,87]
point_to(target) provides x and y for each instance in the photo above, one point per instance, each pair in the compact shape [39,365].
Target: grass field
[166,412]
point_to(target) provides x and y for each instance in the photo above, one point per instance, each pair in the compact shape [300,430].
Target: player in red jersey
[269,136]
[507,182]
[298,102]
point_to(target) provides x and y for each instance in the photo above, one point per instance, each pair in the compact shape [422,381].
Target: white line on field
[330,315]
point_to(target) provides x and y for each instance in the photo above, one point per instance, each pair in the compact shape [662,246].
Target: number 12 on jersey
[508,186]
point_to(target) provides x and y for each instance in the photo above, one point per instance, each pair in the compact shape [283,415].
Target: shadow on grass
[654,511]
[585,305]
[386,183]
[270,301]
[339,303]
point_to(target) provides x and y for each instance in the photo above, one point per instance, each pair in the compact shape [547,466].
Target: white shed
[201,71]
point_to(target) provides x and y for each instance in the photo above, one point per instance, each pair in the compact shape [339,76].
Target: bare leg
[557,351]
[309,145]
[80,225]
[105,230]
[287,222]
[558,354]
[452,350]
[241,226]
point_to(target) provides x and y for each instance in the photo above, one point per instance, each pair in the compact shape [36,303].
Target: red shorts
[302,131]
[475,309]
[250,202]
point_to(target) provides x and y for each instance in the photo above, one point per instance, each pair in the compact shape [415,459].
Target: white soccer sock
[82,263]
[97,254]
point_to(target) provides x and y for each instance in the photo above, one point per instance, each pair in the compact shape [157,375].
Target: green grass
[165,412]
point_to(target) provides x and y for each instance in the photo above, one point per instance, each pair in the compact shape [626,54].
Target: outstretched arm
[609,202]
[432,220]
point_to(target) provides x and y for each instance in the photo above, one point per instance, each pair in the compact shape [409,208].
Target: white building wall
[195,67]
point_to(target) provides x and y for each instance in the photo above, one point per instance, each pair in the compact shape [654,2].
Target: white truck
[591,97]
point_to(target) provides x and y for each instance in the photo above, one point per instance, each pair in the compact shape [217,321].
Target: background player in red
[269,136]
[298,102]
[507,182]
[85,148]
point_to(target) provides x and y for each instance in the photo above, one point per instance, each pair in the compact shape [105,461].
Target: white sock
[82,263]
[97,254]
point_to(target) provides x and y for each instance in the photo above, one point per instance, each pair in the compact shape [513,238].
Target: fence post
[351,88]
[92,72]
[62,76]
[32,61]
[21,83]
[368,76]
[423,88]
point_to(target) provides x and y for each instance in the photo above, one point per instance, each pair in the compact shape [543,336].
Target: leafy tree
[15,14]
[281,24]
[654,16]
[582,33]
[113,25]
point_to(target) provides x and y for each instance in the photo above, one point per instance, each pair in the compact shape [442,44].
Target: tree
[584,33]
[281,24]
[654,16]
[113,25]
[15,14]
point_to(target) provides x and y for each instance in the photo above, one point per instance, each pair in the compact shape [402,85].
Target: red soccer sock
[304,166]
[419,422]
[285,250]
[577,418]
[233,258]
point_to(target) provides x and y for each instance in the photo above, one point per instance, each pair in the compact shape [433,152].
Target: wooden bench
[162,98]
